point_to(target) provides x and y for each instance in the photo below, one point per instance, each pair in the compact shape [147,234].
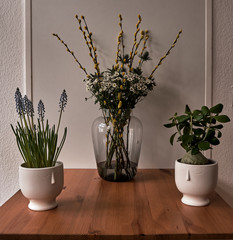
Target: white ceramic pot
[41,185]
[196,182]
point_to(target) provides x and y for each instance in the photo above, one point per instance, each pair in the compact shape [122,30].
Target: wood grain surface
[148,207]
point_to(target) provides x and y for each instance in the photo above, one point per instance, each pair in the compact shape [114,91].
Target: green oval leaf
[181,126]
[182,118]
[217,108]
[169,125]
[184,146]
[186,130]
[220,126]
[205,110]
[186,139]
[195,151]
[172,138]
[204,145]
[197,124]
[187,109]
[222,118]
[213,121]
[197,114]
[198,117]
[210,134]
[198,131]
[214,141]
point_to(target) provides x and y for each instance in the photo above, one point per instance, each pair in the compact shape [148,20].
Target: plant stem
[59,121]
[176,123]
[207,129]
[127,136]
[191,125]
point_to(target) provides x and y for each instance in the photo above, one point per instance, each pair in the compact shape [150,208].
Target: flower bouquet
[117,90]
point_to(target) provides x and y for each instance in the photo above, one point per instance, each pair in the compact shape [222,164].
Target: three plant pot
[41,185]
[196,182]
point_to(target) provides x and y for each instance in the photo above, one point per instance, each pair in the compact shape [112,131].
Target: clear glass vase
[117,138]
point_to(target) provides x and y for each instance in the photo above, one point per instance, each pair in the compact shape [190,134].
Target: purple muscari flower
[41,110]
[31,108]
[28,106]
[63,100]
[19,103]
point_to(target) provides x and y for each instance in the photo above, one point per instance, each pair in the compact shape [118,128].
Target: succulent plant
[198,131]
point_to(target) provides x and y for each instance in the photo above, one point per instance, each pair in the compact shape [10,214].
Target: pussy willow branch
[167,53]
[71,52]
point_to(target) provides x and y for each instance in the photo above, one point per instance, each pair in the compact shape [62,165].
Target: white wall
[179,80]
[12,75]
[222,82]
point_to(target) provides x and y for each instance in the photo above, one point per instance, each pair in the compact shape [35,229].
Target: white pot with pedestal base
[41,185]
[196,182]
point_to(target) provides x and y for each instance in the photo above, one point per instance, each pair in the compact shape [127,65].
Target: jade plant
[37,143]
[198,131]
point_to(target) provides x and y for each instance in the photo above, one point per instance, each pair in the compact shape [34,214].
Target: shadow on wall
[154,111]
[225,191]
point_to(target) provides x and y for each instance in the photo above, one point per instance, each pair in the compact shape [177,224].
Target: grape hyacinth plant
[119,88]
[37,143]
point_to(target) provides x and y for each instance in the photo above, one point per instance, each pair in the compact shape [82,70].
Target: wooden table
[148,207]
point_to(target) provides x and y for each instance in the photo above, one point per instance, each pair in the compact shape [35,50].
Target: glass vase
[117,138]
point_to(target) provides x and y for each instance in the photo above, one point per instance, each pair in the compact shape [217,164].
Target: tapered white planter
[196,182]
[41,185]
